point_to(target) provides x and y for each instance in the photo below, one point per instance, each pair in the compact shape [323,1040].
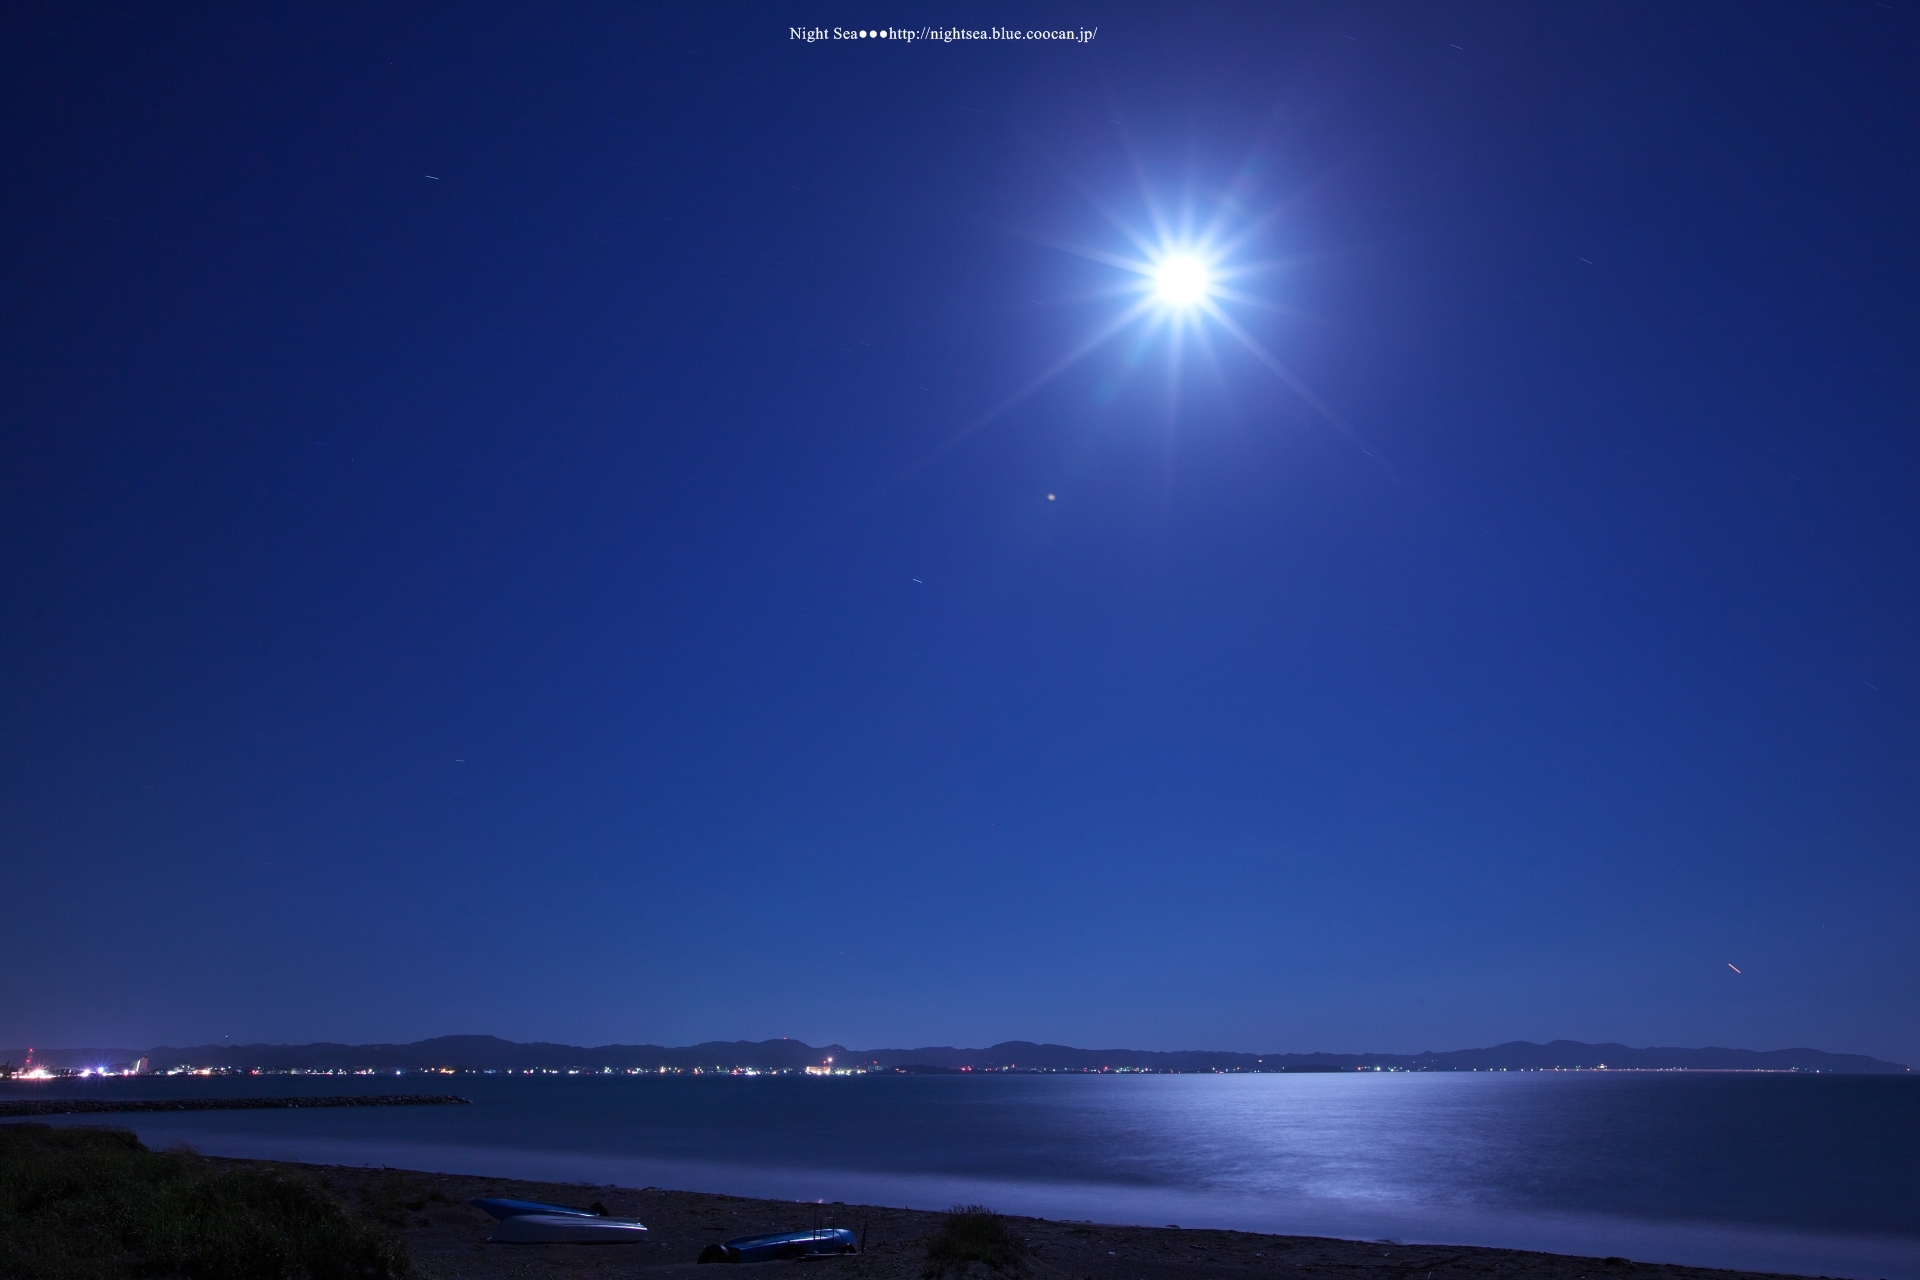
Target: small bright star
[1181,281]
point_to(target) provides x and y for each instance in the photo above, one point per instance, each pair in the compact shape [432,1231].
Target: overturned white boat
[566,1228]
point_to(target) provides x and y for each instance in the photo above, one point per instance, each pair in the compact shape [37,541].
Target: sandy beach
[448,1239]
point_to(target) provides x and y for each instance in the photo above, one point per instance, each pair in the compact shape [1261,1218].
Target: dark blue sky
[506,601]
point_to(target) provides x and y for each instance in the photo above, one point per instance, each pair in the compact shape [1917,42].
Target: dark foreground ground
[448,1240]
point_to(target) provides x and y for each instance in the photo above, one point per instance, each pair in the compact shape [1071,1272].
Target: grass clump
[972,1233]
[87,1203]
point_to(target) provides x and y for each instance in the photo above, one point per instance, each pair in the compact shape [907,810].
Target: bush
[83,1203]
[974,1233]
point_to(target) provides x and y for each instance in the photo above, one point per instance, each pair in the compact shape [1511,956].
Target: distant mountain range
[491,1053]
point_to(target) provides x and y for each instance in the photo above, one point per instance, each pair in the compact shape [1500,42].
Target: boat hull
[500,1210]
[791,1244]
[567,1228]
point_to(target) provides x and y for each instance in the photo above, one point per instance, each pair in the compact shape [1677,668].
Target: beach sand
[448,1237]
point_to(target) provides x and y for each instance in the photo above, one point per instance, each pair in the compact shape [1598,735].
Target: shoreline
[40,1108]
[448,1238]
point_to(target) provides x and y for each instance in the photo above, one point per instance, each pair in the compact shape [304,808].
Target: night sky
[505,526]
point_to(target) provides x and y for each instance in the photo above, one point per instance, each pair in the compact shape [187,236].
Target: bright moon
[1181,281]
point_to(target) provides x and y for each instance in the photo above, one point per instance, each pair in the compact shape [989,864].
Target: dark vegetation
[972,1233]
[94,1203]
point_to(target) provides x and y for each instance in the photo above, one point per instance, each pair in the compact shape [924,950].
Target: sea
[1803,1174]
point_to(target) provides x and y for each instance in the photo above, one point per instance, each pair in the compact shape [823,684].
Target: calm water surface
[1811,1174]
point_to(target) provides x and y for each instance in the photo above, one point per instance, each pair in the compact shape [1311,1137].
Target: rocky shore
[448,1240]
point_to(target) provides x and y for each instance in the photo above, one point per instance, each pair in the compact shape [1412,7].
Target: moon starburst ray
[1120,322]
[1183,275]
[1125,263]
[1299,388]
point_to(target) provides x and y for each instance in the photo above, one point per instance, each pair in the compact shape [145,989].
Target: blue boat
[501,1210]
[790,1244]
[567,1228]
